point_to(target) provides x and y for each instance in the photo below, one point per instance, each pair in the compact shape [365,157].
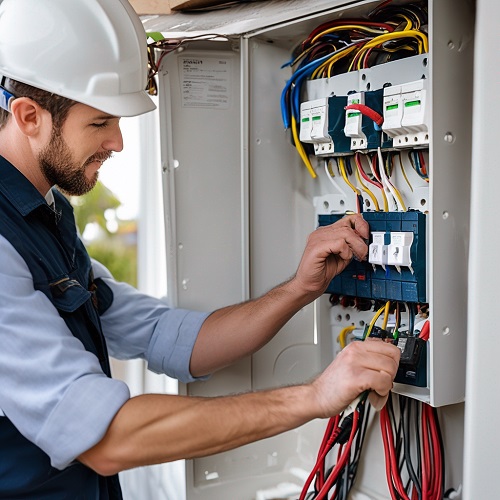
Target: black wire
[418,418]
[409,463]
[411,318]
[441,447]
[399,436]
[360,439]
[345,483]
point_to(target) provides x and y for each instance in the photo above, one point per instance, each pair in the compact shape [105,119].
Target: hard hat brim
[132,104]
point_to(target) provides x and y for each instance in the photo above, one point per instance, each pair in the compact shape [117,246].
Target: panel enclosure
[266,204]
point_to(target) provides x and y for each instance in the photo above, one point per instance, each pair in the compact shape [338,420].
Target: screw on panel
[449,138]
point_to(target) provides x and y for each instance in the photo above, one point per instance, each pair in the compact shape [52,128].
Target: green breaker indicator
[305,120]
[316,118]
[392,107]
[409,104]
[353,114]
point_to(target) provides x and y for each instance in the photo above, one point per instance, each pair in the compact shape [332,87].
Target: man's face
[74,154]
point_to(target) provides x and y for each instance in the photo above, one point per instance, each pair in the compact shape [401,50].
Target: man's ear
[29,116]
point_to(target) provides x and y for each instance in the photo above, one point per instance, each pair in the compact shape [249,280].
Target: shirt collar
[18,189]
[49,198]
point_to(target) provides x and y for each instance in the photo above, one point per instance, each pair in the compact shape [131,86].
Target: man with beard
[66,427]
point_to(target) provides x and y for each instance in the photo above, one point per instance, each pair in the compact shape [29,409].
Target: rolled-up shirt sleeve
[139,326]
[51,389]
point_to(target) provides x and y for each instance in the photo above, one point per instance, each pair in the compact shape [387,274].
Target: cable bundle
[388,33]
[344,435]
[165,46]
[414,452]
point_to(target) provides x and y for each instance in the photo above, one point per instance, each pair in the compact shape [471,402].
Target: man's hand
[369,365]
[329,250]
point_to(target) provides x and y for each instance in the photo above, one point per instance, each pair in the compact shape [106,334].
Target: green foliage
[91,206]
[112,250]
[119,259]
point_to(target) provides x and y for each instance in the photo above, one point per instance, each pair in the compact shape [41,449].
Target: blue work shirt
[52,389]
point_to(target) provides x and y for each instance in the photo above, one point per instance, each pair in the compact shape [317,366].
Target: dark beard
[59,168]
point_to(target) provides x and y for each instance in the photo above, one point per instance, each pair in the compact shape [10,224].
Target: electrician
[69,71]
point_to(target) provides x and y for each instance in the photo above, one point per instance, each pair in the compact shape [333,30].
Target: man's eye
[100,125]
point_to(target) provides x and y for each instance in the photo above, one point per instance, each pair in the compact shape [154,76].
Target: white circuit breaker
[406,114]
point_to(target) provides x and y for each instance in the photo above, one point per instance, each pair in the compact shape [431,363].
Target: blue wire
[294,84]
[297,78]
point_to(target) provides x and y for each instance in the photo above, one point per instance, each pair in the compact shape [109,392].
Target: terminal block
[360,125]
[401,277]
[314,126]
[406,114]
[412,368]
[354,122]
[336,124]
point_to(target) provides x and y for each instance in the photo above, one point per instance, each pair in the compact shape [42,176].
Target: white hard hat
[91,51]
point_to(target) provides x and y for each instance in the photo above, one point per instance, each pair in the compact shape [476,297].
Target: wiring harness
[414,451]
[159,47]
[343,438]
[388,33]
[411,434]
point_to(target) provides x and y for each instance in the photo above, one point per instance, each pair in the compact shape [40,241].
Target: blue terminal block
[375,100]
[336,124]
[402,283]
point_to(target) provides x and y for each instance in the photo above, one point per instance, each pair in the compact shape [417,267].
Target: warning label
[205,82]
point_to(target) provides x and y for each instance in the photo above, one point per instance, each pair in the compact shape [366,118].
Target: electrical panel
[386,140]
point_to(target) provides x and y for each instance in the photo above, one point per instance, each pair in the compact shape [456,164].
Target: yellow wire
[373,321]
[301,150]
[394,189]
[343,334]
[366,190]
[344,27]
[343,54]
[330,62]
[404,173]
[409,24]
[422,39]
[382,190]
[344,176]
[386,315]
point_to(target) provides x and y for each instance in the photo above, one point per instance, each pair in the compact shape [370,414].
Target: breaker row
[396,266]
[393,117]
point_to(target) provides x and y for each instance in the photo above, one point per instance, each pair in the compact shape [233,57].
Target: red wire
[392,468]
[425,332]
[363,173]
[385,441]
[365,59]
[423,168]
[436,448]
[367,111]
[432,473]
[341,463]
[374,168]
[425,456]
[329,438]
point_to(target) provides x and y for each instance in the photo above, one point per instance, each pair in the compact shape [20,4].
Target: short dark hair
[56,105]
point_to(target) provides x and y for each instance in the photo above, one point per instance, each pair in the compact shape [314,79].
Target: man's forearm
[231,333]
[152,429]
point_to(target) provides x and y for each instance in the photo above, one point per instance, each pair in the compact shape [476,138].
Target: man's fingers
[376,400]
